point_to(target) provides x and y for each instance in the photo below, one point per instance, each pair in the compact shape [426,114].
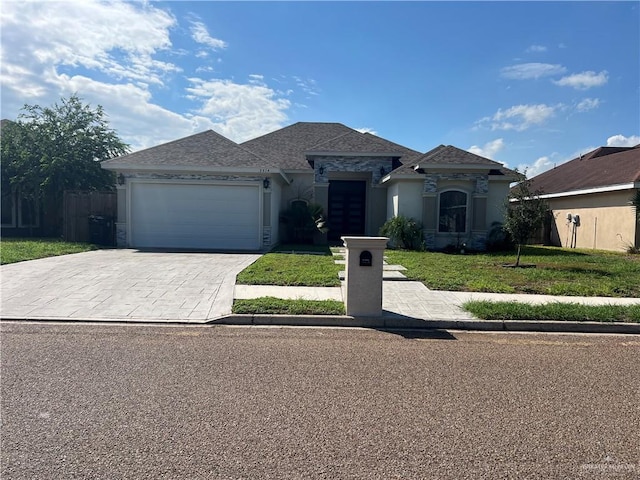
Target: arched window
[453,212]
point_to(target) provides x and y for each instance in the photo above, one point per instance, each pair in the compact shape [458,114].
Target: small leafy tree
[404,233]
[52,149]
[635,204]
[525,213]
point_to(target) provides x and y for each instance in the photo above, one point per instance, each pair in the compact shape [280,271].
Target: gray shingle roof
[290,145]
[602,167]
[356,142]
[450,155]
[206,149]
[286,146]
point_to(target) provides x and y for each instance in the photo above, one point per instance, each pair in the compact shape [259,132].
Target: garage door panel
[195,216]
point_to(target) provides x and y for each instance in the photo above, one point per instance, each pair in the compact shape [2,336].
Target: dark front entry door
[347,200]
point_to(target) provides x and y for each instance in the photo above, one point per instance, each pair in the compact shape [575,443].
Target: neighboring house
[207,192]
[590,198]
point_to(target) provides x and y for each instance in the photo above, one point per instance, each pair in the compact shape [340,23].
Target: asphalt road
[100,401]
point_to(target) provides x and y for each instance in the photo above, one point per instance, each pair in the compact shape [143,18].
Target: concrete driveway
[122,285]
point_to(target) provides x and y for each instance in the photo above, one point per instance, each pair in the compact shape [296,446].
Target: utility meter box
[363,275]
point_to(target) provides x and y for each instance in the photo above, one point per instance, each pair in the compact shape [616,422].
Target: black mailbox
[366,259]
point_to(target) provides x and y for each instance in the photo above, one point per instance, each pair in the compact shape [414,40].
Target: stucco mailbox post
[363,275]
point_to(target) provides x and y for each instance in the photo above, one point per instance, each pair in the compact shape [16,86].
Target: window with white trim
[453,212]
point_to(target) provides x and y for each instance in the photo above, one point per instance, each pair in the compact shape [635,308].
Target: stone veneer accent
[121,234]
[481,181]
[476,240]
[179,176]
[351,164]
[430,239]
[266,236]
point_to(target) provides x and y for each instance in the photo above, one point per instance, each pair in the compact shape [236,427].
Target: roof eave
[333,153]
[456,166]
[400,176]
[586,191]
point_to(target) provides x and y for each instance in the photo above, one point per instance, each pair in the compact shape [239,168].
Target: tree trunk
[518,257]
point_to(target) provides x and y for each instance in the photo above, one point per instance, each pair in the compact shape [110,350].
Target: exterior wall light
[120,179]
[321,170]
[266,183]
[382,171]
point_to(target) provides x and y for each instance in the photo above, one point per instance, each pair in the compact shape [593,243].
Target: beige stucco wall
[301,188]
[393,198]
[408,199]
[376,210]
[496,199]
[607,221]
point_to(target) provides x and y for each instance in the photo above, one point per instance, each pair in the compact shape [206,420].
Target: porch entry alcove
[347,201]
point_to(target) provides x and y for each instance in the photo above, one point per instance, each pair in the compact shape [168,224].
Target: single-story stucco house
[590,199]
[208,192]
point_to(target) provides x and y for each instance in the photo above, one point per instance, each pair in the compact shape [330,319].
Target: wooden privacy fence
[79,206]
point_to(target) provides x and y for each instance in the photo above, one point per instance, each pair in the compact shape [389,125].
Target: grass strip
[14,250]
[557,271]
[292,270]
[278,306]
[570,312]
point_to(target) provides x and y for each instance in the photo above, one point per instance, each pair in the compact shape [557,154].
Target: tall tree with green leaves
[52,149]
[525,213]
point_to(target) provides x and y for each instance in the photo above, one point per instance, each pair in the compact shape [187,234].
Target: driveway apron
[127,285]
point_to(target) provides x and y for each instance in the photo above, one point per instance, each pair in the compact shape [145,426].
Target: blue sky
[529,84]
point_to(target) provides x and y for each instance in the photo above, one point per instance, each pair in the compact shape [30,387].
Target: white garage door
[172,215]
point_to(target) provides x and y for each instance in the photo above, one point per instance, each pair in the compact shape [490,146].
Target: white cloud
[366,130]
[541,165]
[587,104]
[622,141]
[201,35]
[132,113]
[489,149]
[118,39]
[519,117]
[525,71]
[584,80]
[256,79]
[239,112]
[109,53]
[536,48]
[308,86]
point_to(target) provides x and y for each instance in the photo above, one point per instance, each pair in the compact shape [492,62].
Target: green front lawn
[557,272]
[277,306]
[14,250]
[292,269]
[554,311]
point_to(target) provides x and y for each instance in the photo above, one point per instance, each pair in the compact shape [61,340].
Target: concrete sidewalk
[414,300]
[199,288]
[411,305]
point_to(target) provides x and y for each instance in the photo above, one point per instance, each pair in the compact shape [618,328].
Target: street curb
[389,322]
[418,324]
